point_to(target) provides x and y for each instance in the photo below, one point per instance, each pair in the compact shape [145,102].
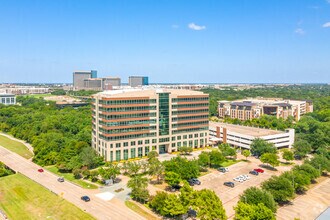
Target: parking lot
[229,196]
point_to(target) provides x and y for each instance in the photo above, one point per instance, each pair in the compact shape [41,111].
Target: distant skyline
[205,41]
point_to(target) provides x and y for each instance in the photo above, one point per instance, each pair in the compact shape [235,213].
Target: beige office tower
[131,123]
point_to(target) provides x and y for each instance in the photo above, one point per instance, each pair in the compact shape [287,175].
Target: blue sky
[218,41]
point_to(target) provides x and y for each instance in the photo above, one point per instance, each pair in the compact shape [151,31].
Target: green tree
[187,169]
[109,172]
[301,148]
[280,187]
[216,157]
[246,153]
[259,211]
[172,178]
[299,180]
[270,158]
[307,170]
[139,185]
[133,168]
[320,162]
[254,196]
[156,168]
[287,155]
[208,205]
[260,146]
[157,202]
[204,159]
[186,194]
[185,150]
[173,206]
[152,154]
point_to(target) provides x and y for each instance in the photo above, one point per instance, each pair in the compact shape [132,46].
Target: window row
[122,102]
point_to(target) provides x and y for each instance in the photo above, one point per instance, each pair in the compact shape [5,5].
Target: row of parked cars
[240,178]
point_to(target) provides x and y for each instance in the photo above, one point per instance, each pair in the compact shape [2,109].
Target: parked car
[223,169]
[85,198]
[60,179]
[253,172]
[194,181]
[229,184]
[40,170]
[259,170]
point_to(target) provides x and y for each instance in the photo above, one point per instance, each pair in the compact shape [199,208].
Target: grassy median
[140,211]
[70,177]
[22,198]
[16,147]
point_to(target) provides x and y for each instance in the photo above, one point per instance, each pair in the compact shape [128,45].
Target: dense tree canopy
[254,196]
[260,147]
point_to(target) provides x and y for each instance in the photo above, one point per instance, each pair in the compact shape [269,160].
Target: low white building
[242,136]
[8,99]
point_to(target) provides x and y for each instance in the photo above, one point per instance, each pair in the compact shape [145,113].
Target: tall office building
[109,82]
[135,81]
[80,76]
[131,123]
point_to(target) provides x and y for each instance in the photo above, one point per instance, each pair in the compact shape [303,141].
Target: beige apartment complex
[253,108]
[131,123]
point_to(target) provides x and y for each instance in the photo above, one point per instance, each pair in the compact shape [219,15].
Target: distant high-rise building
[94,84]
[135,81]
[111,81]
[80,76]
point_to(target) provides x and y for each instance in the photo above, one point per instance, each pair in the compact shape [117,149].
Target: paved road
[308,206]
[104,210]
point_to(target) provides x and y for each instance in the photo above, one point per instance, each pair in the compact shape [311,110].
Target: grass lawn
[39,95]
[21,198]
[16,147]
[139,210]
[70,177]
[228,163]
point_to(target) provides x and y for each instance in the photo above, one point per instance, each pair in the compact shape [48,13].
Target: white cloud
[300,31]
[175,26]
[196,27]
[326,25]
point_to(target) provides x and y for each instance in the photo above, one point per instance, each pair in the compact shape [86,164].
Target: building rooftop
[6,95]
[251,131]
[141,92]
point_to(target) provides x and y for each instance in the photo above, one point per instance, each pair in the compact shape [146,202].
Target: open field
[16,147]
[70,177]
[39,95]
[22,198]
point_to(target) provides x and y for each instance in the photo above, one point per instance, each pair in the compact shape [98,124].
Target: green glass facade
[163,108]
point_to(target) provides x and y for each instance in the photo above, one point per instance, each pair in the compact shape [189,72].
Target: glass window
[173,138]
[179,144]
[196,143]
[196,135]
[140,142]
[126,154]
[179,137]
[190,135]
[133,153]
[146,149]
[125,144]
[118,145]
[117,155]
[185,143]
[184,137]
[190,143]
[146,141]
[154,141]
[111,156]
[132,143]
[173,144]
[140,154]
[163,110]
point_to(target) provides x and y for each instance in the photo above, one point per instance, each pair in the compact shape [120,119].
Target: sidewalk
[29,146]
